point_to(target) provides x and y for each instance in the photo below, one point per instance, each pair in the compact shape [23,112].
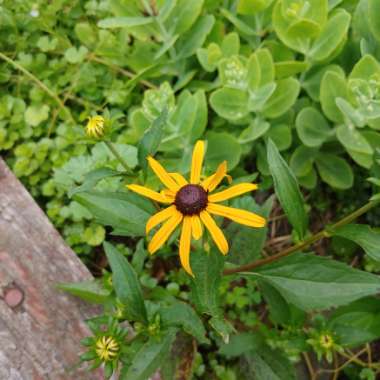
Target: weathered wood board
[40,326]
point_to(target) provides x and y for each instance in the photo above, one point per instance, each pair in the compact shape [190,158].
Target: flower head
[192,204]
[107,348]
[95,126]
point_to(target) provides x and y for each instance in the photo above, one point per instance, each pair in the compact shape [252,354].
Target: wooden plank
[40,326]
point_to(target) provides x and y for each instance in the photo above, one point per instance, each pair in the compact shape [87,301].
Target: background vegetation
[302,74]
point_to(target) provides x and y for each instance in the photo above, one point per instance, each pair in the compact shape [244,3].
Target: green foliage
[287,92]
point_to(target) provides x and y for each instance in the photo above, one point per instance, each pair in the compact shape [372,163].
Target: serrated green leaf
[125,212]
[374,21]
[287,189]
[207,268]
[148,358]
[314,283]
[182,315]
[126,284]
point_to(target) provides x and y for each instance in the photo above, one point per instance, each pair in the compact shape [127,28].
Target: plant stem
[306,243]
[38,82]
[114,151]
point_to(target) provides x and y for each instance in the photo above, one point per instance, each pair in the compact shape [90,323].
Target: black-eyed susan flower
[95,126]
[193,203]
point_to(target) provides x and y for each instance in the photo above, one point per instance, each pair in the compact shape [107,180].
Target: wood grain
[40,326]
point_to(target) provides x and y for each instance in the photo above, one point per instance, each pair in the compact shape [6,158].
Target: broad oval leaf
[335,171]
[312,127]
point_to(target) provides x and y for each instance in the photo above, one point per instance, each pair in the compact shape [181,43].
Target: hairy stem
[307,242]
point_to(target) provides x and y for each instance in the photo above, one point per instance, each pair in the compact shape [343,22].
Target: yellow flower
[192,204]
[95,126]
[107,348]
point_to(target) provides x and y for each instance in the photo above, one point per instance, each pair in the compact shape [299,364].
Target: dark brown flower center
[191,199]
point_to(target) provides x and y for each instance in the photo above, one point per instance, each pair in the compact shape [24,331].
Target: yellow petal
[210,183]
[160,217]
[162,174]
[184,244]
[168,194]
[164,232]
[148,193]
[197,161]
[237,215]
[179,178]
[215,232]
[233,191]
[196,227]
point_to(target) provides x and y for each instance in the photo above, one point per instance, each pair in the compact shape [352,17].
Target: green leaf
[207,269]
[151,139]
[357,323]
[184,15]
[331,37]
[281,135]
[280,311]
[148,358]
[374,21]
[301,161]
[222,147]
[313,282]
[251,7]
[287,190]
[126,283]
[230,103]
[256,129]
[335,171]
[124,22]
[353,115]
[365,68]
[76,55]
[286,69]
[353,140]
[311,80]
[182,315]
[333,86]
[35,115]
[283,98]
[195,37]
[364,236]
[125,212]
[90,291]
[312,128]
[222,327]
[92,178]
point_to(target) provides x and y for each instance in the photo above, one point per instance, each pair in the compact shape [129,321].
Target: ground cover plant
[215,163]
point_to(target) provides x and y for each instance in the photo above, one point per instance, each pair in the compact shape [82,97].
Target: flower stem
[114,151]
[307,242]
